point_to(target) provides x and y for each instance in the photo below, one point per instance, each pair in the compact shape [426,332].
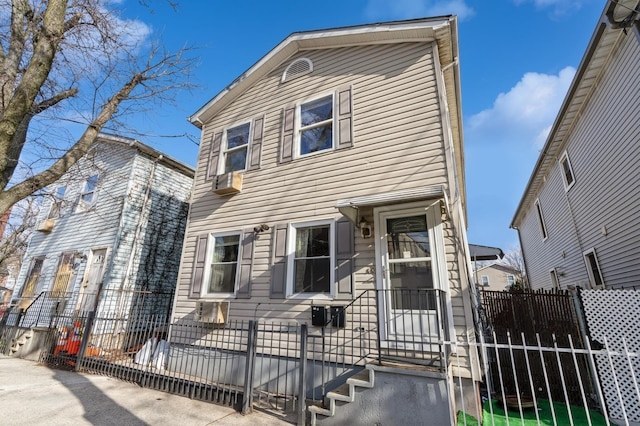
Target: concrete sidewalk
[32,394]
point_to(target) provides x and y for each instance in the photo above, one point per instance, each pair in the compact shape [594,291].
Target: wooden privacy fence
[548,319]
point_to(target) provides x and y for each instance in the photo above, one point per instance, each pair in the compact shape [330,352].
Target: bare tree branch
[71,58]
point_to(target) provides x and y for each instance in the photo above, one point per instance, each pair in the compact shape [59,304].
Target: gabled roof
[500,267]
[593,64]
[482,253]
[442,30]
[145,149]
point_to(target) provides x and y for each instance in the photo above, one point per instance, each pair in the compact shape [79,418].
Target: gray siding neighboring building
[134,227]
[596,216]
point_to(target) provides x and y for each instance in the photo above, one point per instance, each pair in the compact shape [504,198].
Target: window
[485,280]
[311,258]
[567,171]
[316,126]
[236,144]
[223,265]
[56,204]
[88,195]
[543,228]
[64,274]
[555,282]
[511,279]
[29,289]
[593,269]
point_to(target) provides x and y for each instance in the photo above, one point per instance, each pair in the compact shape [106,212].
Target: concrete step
[344,393]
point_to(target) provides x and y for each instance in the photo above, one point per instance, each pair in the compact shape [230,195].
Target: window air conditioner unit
[212,312]
[45,225]
[228,183]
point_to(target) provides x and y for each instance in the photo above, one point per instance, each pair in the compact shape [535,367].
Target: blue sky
[517,60]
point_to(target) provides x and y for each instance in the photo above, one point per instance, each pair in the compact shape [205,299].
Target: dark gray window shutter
[199,264]
[256,143]
[288,137]
[279,262]
[246,260]
[214,153]
[344,108]
[344,259]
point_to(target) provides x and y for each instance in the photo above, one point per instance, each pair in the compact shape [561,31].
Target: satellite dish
[622,13]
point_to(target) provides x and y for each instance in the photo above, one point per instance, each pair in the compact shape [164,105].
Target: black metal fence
[245,364]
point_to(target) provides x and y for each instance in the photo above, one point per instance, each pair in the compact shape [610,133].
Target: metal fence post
[302,382]
[247,396]
[85,339]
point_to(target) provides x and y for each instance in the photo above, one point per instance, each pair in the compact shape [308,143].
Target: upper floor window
[88,196]
[485,280]
[235,149]
[593,268]
[511,279]
[316,126]
[223,264]
[57,202]
[567,171]
[543,228]
[311,258]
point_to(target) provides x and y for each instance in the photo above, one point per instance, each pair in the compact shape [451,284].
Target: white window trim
[555,278]
[513,277]
[482,277]
[567,185]
[297,125]
[223,148]
[592,280]
[291,245]
[544,233]
[205,294]
[84,206]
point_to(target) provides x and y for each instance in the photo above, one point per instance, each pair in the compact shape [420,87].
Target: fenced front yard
[558,372]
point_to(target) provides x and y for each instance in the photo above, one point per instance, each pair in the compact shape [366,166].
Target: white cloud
[526,112]
[404,9]
[558,7]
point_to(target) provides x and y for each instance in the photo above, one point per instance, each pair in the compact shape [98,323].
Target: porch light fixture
[365,228]
[79,256]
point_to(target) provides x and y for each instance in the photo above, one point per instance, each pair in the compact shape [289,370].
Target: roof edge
[599,31]
[160,156]
[298,37]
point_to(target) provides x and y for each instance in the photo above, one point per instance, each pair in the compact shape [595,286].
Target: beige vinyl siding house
[496,277]
[586,180]
[345,132]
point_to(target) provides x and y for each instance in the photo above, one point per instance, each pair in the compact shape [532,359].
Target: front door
[93,280]
[409,280]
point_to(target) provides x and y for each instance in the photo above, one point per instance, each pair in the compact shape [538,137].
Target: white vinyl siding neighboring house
[125,206]
[369,121]
[596,132]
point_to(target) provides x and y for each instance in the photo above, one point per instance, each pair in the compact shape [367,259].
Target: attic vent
[297,68]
